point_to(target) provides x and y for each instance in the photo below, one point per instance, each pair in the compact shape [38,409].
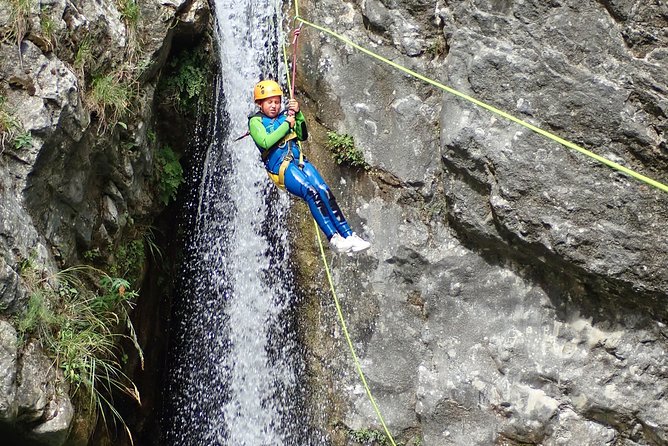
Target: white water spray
[235,368]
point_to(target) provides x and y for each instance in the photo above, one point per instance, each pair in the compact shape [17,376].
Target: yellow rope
[336,299]
[350,342]
[508,116]
[287,67]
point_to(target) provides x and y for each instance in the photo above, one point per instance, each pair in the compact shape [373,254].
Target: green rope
[336,299]
[350,342]
[495,110]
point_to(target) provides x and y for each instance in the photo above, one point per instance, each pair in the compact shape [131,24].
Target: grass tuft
[19,15]
[110,97]
[130,12]
[10,126]
[80,316]
[47,26]
[84,55]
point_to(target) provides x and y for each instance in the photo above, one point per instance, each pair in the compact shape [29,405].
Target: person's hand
[291,121]
[293,105]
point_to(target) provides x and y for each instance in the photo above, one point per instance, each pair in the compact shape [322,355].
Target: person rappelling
[276,132]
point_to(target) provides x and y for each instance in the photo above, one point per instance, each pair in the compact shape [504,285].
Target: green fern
[169,173]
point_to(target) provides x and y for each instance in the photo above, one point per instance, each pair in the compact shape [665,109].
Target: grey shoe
[358,243]
[340,244]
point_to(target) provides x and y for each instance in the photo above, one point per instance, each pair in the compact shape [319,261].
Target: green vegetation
[78,317]
[11,133]
[369,436]
[22,141]
[47,26]
[9,124]
[110,97]
[169,173]
[151,136]
[130,11]
[372,437]
[84,54]
[186,86]
[19,15]
[344,151]
[437,48]
[129,260]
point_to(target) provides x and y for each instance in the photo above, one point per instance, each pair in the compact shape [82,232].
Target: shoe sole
[357,251]
[341,251]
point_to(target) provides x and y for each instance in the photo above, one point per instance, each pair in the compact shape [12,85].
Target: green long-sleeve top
[267,132]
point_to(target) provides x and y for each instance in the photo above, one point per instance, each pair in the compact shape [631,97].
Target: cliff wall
[515,291]
[82,179]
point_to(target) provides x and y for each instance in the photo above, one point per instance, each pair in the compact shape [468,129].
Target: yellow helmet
[266,89]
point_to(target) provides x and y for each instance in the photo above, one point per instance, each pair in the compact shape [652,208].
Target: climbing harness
[279,178]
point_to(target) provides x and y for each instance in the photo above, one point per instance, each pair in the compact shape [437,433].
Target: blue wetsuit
[305,182]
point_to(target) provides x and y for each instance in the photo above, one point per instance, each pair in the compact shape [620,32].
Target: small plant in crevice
[110,96]
[47,26]
[344,151]
[128,260]
[169,174]
[23,141]
[131,14]
[80,316]
[19,14]
[83,57]
[128,256]
[9,125]
[130,11]
[369,437]
[437,48]
[186,86]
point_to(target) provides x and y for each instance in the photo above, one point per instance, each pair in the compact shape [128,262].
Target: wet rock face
[574,76]
[71,182]
[31,393]
[515,292]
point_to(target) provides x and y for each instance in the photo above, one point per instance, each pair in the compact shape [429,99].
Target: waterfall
[235,372]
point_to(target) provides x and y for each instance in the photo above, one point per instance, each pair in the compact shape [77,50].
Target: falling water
[235,369]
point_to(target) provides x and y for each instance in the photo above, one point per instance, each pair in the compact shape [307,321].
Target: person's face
[271,107]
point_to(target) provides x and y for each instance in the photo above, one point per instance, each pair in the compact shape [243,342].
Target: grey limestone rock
[515,291]
[71,182]
[36,384]
[8,360]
